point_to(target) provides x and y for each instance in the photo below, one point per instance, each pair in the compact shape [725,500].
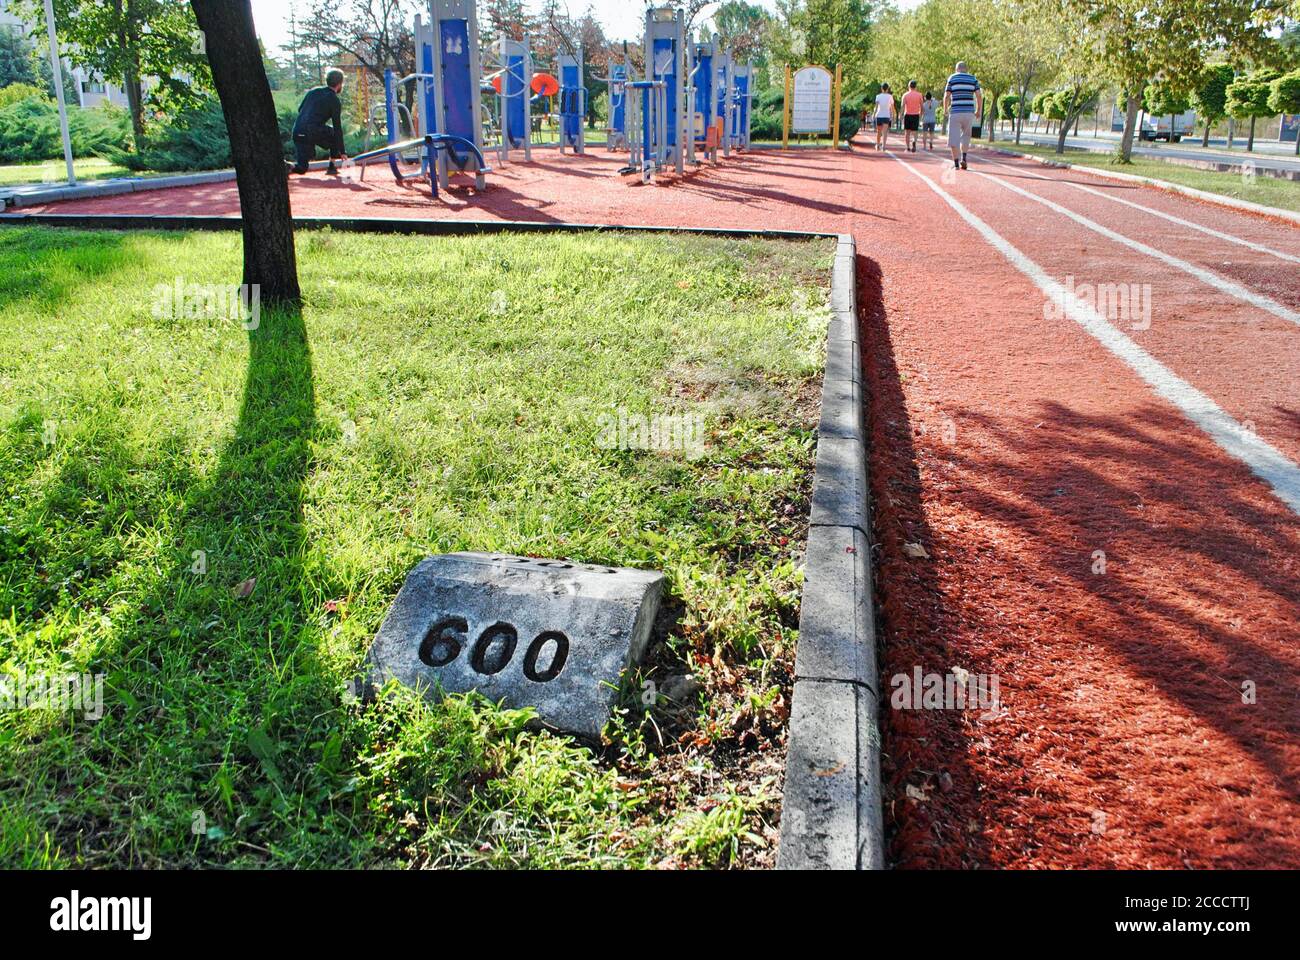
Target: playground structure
[616,126]
[515,85]
[693,101]
[447,135]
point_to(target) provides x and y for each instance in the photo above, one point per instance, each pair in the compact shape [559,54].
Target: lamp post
[56,69]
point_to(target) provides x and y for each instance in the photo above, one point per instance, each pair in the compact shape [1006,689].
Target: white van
[1158,128]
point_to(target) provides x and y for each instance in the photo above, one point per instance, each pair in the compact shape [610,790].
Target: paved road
[1263,159]
[1106,485]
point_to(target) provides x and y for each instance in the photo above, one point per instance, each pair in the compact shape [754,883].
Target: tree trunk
[1205,140]
[135,104]
[1232,129]
[1130,121]
[1250,140]
[240,78]
[1020,112]
[128,39]
[1070,113]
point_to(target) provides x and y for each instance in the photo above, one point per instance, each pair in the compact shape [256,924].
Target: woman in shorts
[884,116]
[927,119]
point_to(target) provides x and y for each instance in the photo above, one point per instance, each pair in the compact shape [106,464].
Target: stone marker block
[547,634]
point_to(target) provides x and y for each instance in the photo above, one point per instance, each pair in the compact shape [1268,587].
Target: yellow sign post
[785,112]
[812,102]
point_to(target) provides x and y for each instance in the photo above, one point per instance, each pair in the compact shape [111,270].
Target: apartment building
[91,89]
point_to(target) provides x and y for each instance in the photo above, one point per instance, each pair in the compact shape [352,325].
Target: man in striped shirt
[963,101]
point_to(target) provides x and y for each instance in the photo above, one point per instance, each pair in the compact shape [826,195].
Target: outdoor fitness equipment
[722,84]
[573,102]
[742,94]
[447,134]
[657,130]
[513,83]
[706,126]
[616,132]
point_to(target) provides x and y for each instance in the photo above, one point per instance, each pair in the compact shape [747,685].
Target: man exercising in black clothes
[320,106]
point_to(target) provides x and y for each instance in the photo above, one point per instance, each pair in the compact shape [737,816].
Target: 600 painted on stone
[548,634]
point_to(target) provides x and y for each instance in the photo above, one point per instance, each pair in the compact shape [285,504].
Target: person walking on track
[885,112]
[928,106]
[912,103]
[963,101]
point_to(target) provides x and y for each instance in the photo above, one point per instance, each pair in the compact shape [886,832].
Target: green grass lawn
[1270,191]
[434,395]
[50,171]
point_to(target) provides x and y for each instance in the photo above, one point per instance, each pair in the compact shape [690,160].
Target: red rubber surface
[1014,447]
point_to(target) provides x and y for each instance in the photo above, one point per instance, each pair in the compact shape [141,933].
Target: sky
[622,19]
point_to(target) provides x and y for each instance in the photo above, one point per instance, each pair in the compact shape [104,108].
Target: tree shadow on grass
[219,741]
[45,266]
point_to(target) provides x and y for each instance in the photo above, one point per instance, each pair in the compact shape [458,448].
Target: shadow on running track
[914,627]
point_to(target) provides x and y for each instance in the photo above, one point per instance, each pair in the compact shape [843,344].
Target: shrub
[1284,93]
[29,131]
[195,139]
[20,91]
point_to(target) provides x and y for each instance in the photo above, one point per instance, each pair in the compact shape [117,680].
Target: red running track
[1018,449]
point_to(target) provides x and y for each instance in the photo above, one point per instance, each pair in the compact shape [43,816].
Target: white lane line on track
[1258,247]
[1207,277]
[1264,460]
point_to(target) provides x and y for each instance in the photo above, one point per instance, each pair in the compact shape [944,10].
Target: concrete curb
[111,188]
[394,225]
[1246,205]
[832,816]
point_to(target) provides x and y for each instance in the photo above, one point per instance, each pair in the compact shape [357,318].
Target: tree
[1284,97]
[925,44]
[1069,104]
[509,18]
[829,32]
[1210,96]
[1248,98]
[1163,99]
[15,59]
[1024,48]
[373,34]
[1009,106]
[1074,51]
[126,41]
[235,58]
[740,26]
[1168,40]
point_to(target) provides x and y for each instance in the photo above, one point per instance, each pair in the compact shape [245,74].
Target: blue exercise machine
[741,94]
[448,137]
[573,102]
[656,128]
[616,131]
[705,130]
